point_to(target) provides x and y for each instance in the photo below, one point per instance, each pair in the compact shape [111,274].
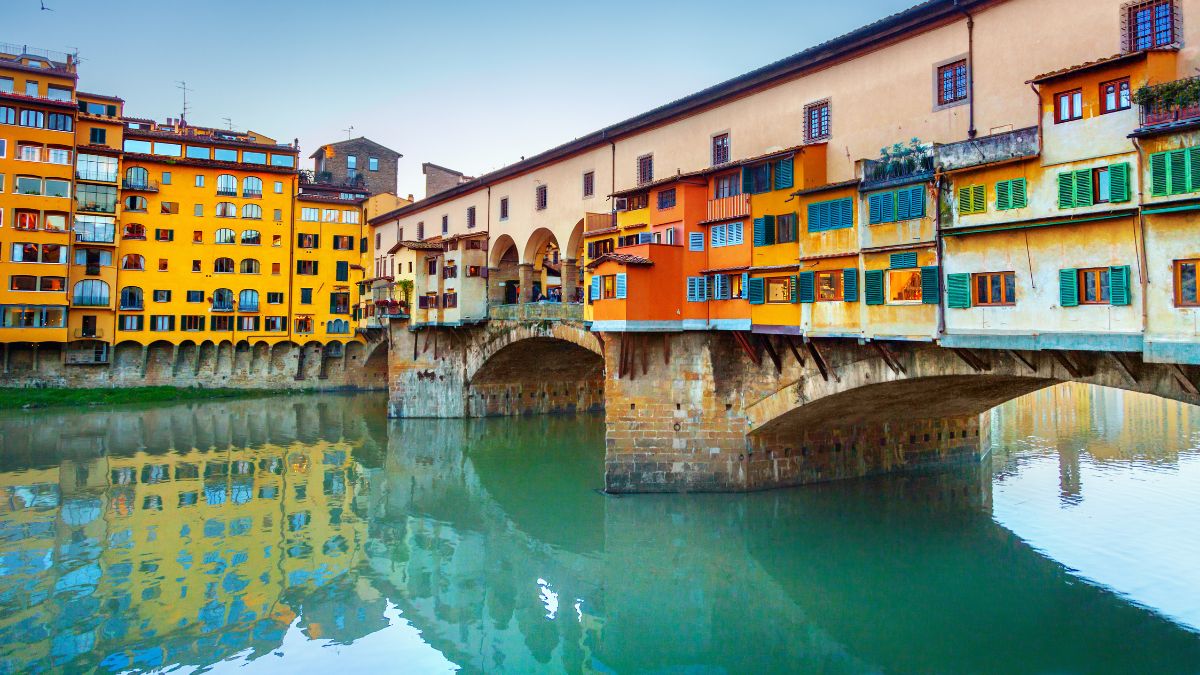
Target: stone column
[525,279]
[495,289]
[570,279]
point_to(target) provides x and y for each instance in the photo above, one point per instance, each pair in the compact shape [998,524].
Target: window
[97,136]
[972,199]
[1185,283]
[1011,194]
[645,169]
[729,234]
[56,93]
[306,240]
[830,215]
[274,298]
[372,163]
[898,205]
[28,185]
[310,215]
[252,212]
[249,266]
[351,162]
[225,236]
[225,155]
[779,289]
[504,208]
[222,300]
[589,184]
[32,118]
[1068,106]
[343,243]
[195,265]
[195,296]
[248,300]
[59,122]
[445,224]
[167,149]
[169,208]
[131,298]
[828,286]
[58,156]
[251,187]
[8,115]
[34,317]
[133,261]
[161,234]
[226,210]
[277,216]
[191,322]
[247,323]
[785,228]
[131,322]
[278,187]
[227,185]
[666,199]
[251,238]
[816,121]
[162,296]
[306,296]
[22,282]
[720,149]
[273,323]
[306,267]
[52,284]
[995,289]
[304,324]
[329,215]
[339,303]
[6,85]
[1114,96]
[135,203]
[421,231]
[1094,286]
[31,87]
[1105,184]
[223,266]
[58,188]
[275,268]
[162,264]
[540,198]
[1149,24]
[25,220]
[90,293]
[97,198]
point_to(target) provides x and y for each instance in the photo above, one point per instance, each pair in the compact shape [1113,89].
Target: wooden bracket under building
[1125,369]
[1031,365]
[1184,380]
[1065,362]
[889,358]
[765,341]
[820,361]
[791,343]
[740,338]
[977,364]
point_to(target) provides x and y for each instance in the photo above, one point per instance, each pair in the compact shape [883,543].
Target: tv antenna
[348,131]
[182,86]
[228,123]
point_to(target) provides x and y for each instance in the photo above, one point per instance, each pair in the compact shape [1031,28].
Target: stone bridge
[732,411]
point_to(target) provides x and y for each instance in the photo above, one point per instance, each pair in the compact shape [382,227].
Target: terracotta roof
[1176,125]
[713,169]
[328,199]
[621,258]
[103,97]
[1088,65]
[722,270]
[774,268]
[658,183]
[465,235]
[418,246]
[205,138]
[211,163]
[827,188]
[13,96]
[827,256]
[596,233]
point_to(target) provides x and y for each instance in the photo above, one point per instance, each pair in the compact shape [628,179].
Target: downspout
[941,253]
[1139,235]
[971,131]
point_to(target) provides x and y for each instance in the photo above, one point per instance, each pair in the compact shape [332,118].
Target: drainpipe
[971,131]
[941,253]
[1139,235]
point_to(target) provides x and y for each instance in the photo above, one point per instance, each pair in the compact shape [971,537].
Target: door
[89,327]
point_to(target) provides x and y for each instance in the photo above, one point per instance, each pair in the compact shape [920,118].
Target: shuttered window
[903,260]
[850,284]
[734,234]
[764,231]
[783,174]
[873,290]
[889,207]
[836,214]
[1175,172]
[695,241]
[1011,194]
[756,291]
[697,289]
[717,236]
[622,286]
[1087,187]
[807,283]
[958,291]
[1094,286]
[972,199]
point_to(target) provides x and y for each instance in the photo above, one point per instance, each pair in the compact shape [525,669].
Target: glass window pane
[1010,288]
[132,145]
[226,155]
[194,152]
[254,157]
[283,160]
[1187,282]
[1104,286]
[168,149]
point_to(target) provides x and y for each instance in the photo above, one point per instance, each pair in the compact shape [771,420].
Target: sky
[469,85]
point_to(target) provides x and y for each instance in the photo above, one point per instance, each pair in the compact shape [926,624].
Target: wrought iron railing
[1169,102]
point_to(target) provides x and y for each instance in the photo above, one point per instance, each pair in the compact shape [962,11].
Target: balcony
[87,333]
[594,222]
[727,208]
[992,149]
[96,207]
[140,185]
[252,194]
[95,234]
[221,307]
[222,192]
[86,353]
[898,165]
[92,269]
[1169,102]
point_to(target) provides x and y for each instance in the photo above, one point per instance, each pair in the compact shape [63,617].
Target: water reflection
[308,532]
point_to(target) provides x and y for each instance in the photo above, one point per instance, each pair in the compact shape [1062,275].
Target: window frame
[1103,288]
[977,301]
[888,294]
[1076,114]
[1128,98]
[645,169]
[940,102]
[720,148]
[825,124]
[770,281]
[839,292]
[1176,273]
[1131,42]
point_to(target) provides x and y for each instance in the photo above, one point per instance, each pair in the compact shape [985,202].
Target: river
[308,533]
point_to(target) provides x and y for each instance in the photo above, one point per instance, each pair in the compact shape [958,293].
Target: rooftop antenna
[182,86]
[348,131]
[228,123]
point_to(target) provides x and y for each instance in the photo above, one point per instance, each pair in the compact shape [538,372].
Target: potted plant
[405,287]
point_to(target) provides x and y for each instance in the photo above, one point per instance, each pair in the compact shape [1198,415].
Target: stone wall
[280,366]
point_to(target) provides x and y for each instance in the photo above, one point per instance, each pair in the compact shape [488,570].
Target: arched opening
[543,253]
[504,278]
[538,375]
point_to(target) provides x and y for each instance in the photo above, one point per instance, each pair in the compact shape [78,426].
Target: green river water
[309,533]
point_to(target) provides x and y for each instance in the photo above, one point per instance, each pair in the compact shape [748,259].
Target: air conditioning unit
[621,204]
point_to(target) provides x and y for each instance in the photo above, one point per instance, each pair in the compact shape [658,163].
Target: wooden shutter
[1118,183]
[880,208]
[1003,195]
[850,284]
[916,201]
[814,217]
[702,288]
[1083,188]
[783,174]
[1158,174]
[793,289]
[1020,194]
[695,241]
[979,198]
[1118,285]
[755,291]
[343,271]
[843,213]
[745,284]
[1193,169]
[716,236]
[874,287]
[958,291]
[1068,287]
[747,180]
[931,285]
[621,286]
[903,205]
[1066,190]
[595,287]
[769,229]
[760,232]
[691,289]
[964,201]
[906,260]
[808,291]
[1177,161]
[734,234]
[719,285]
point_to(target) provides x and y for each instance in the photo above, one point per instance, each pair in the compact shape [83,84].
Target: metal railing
[140,185]
[902,164]
[92,233]
[1169,102]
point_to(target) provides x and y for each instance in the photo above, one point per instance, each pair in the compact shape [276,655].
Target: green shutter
[916,201]
[843,213]
[808,292]
[903,260]
[1118,285]
[964,201]
[1083,188]
[979,198]
[1177,161]
[904,205]
[1118,183]
[783,174]
[1193,169]
[1020,197]
[850,284]
[1068,288]
[1066,190]
[769,230]
[1003,195]
[343,271]
[755,291]
[874,287]
[931,285]
[747,182]
[793,290]
[958,291]
[874,209]
[760,232]
[1158,174]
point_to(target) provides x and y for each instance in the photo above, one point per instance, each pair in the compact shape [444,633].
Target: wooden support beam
[666,340]
[820,361]
[740,338]
[889,358]
[621,356]
[1031,365]
[1125,369]
[1184,380]
[791,343]
[971,360]
[1065,362]
[765,340]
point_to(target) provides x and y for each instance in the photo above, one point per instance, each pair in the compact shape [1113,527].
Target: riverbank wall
[281,366]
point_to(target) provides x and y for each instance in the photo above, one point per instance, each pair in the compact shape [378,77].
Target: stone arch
[260,361]
[283,355]
[535,368]
[537,244]
[500,249]
[478,356]
[574,249]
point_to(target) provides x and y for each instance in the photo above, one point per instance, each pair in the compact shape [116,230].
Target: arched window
[252,211]
[223,266]
[133,261]
[136,177]
[131,297]
[135,203]
[227,185]
[226,236]
[248,301]
[222,300]
[249,266]
[251,187]
[226,210]
[251,237]
[338,326]
[134,231]
[90,293]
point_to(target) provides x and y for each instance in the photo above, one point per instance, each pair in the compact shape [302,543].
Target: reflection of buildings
[184,556]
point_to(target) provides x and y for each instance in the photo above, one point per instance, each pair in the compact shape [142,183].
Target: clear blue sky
[470,85]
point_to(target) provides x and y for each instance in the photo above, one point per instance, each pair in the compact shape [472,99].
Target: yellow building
[331,240]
